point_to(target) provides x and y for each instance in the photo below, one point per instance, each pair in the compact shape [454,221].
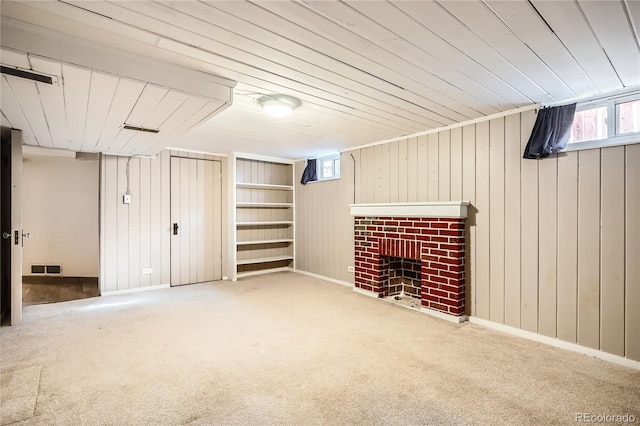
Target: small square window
[328,167]
[589,125]
[628,114]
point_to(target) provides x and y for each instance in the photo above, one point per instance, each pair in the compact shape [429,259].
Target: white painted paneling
[364,71]
[76,86]
[569,23]
[480,19]
[101,92]
[11,110]
[85,109]
[610,22]
[125,97]
[450,38]
[361,35]
[194,31]
[522,18]
[133,236]
[148,101]
[52,99]
[27,96]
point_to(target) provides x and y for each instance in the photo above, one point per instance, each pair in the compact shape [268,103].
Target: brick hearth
[437,242]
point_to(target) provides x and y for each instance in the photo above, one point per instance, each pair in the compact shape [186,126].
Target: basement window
[328,167]
[606,121]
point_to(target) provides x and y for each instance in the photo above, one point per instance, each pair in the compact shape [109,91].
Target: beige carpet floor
[287,349]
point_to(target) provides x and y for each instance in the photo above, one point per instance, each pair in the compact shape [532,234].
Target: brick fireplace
[417,249]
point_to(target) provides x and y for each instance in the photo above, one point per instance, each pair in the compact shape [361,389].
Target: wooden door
[12,234]
[196,220]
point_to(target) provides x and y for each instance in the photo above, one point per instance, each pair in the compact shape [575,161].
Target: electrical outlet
[351,269]
[147,271]
[126,198]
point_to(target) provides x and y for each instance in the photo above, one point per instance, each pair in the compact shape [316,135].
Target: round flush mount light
[278,105]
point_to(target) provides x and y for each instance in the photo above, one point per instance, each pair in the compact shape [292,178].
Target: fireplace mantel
[440,209]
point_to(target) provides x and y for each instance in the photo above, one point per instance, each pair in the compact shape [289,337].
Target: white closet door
[196,220]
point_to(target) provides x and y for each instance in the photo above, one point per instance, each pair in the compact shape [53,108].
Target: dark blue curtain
[310,172]
[551,131]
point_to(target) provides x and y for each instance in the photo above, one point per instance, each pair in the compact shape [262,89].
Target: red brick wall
[438,243]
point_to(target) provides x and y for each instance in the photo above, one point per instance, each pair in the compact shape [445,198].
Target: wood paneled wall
[137,236]
[553,245]
[324,228]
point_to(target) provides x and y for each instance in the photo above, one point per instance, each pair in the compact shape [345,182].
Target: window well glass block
[589,125]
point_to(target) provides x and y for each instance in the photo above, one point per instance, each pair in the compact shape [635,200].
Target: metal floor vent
[46,269]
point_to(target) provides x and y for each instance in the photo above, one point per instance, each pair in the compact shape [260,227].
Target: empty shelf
[264,260]
[264,186]
[264,205]
[281,222]
[245,243]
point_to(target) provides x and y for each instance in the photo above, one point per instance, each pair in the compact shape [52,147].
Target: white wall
[60,211]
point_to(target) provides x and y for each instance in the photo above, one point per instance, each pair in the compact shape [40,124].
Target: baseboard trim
[366,292]
[447,317]
[57,279]
[322,277]
[135,290]
[616,359]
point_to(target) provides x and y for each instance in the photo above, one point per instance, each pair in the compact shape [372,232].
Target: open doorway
[60,214]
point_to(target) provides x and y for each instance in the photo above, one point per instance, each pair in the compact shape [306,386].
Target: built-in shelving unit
[263,215]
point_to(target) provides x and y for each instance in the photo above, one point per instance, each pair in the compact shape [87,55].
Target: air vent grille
[46,270]
[26,74]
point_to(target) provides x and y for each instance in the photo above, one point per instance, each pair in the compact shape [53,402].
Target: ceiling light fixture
[278,105]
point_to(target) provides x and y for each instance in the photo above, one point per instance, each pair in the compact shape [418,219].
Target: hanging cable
[127,173]
[354,177]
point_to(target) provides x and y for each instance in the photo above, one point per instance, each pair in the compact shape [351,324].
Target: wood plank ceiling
[364,70]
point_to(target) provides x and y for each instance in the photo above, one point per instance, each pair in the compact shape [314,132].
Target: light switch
[126,198]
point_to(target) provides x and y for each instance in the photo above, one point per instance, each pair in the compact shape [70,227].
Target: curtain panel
[551,131]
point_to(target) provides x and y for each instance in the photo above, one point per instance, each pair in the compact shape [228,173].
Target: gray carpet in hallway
[287,349]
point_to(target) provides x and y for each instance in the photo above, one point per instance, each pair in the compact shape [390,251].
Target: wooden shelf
[264,186]
[254,242]
[263,229]
[265,205]
[264,260]
[262,271]
[273,223]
